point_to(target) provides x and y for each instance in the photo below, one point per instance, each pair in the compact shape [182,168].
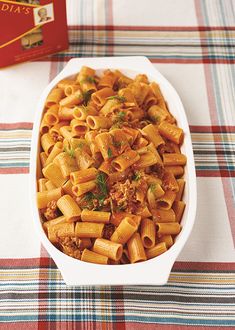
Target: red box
[31,29]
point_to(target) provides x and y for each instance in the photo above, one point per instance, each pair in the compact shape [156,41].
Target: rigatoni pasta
[110,173]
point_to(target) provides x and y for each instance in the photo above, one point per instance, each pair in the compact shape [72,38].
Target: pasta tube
[99,97]
[66,163]
[125,160]
[156,250]
[44,197]
[163,215]
[82,188]
[104,142]
[60,230]
[108,80]
[82,112]
[65,82]
[171,132]
[65,113]
[93,257]
[54,222]
[43,158]
[169,182]
[54,97]
[69,208]
[53,173]
[117,217]
[153,135]
[176,170]
[55,130]
[47,143]
[174,159]
[79,127]
[165,202]
[124,231]
[95,216]
[49,185]
[157,114]
[44,127]
[157,92]
[51,116]
[135,249]
[89,229]
[96,122]
[148,233]
[71,89]
[83,175]
[107,248]
[84,160]
[42,185]
[57,149]
[72,100]
[178,207]
[166,239]
[125,257]
[181,185]
[67,188]
[168,228]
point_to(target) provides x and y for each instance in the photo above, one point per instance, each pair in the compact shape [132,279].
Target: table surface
[192,44]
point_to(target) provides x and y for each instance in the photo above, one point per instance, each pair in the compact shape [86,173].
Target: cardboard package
[30,29]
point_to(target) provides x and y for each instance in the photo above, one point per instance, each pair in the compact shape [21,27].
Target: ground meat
[51,211]
[56,137]
[159,170]
[70,246]
[166,148]
[123,196]
[109,229]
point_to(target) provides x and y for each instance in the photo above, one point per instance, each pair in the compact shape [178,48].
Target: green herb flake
[117,143]
[70,152]
[115,126]
[156,118]
[80,145]
[101,183]
[110,154]
[136,176]
[121,115]
[86,97]
[121,99]
[152,187]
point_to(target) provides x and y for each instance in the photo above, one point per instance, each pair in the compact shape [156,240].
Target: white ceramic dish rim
[154,271]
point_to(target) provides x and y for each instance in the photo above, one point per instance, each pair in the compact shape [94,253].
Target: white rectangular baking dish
[151,272]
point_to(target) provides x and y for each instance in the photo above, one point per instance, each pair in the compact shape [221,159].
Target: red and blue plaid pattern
[198,295]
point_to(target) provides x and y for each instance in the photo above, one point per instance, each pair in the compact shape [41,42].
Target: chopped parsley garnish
[86,97]
[156,118]
[119,119]
[136,176]
[121,115]
[116,125]
[110,154]
[80,145]
[121,99]
[101,183]
[70,152]
[152,187]
[117,143]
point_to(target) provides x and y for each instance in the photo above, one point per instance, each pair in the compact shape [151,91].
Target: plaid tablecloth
[192,43]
